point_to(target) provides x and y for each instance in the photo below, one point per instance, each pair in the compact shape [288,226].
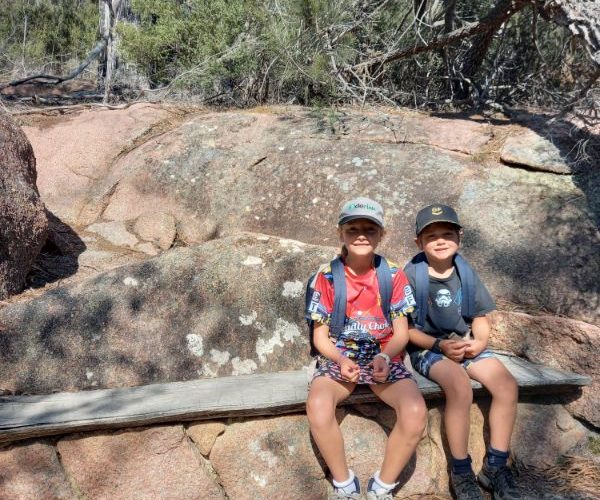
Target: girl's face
[360,236]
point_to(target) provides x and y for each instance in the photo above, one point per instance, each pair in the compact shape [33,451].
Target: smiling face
[360,237]
[439,241]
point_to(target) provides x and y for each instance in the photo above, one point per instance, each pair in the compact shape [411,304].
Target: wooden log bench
[23,417]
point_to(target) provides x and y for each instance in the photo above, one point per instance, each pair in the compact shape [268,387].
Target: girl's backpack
[338,315]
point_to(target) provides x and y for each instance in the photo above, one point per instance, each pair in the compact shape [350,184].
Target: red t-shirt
[366,330]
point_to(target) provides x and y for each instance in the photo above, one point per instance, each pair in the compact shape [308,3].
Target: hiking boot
[371,495]
[500,480]
[339,494]
[465,486]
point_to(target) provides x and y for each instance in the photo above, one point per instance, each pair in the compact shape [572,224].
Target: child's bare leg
[493,375]
[323,398]
[455,382]
[411,418]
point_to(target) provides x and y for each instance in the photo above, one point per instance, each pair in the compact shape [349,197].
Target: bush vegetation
[309,52]
[45,35]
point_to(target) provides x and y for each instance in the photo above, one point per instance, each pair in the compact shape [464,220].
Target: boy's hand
[381,369]
[453,349]
[474,348]
[349,369]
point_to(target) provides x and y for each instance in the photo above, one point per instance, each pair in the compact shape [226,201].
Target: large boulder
[287,174]
[230,306]
[33,470]
[23,222]
[74,151]
[527,148]
[559,342]
[158,462]
[269,458]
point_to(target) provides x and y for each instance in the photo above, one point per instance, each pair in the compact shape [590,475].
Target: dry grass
[574,476]
[490,153]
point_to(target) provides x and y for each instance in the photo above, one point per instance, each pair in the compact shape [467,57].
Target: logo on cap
[354,206]
[436,210]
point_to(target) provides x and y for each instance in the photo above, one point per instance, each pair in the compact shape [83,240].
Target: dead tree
[110,11]
[581,17]
[56,79]
[480,43]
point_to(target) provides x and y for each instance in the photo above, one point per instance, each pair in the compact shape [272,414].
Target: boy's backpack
[338,315]
[467,285]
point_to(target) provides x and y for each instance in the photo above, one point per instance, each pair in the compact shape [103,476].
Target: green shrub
[208,40]
[37,34]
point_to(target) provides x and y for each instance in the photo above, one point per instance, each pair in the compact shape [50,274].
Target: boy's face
[360,236]
[439,241]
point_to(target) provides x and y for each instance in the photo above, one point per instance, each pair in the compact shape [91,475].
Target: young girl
[368,351]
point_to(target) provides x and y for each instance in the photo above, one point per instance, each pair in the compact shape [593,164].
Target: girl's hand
[381,369]
[349,369]
[474,348]
[453,349]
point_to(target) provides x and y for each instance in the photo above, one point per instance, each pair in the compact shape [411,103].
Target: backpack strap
[308,293]
[467,281]
[338,315]
[384,278]
[422,288]
[311,324]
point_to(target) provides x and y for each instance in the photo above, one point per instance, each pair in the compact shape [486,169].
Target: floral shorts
[327,368]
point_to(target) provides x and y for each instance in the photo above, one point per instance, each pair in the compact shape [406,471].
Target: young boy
[442,350]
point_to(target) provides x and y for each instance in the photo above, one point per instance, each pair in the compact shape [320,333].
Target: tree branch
[581,18]
[503,10]
[54,79]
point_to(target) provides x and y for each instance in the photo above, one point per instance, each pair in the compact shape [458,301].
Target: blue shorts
[422,361]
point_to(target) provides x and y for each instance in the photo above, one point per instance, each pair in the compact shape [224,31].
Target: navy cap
[435,213]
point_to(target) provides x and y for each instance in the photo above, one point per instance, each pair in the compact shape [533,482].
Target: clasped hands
[350,371]
[457,350]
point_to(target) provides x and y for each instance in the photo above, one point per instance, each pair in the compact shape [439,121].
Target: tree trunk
[480,44]
[109,14]
[449,15]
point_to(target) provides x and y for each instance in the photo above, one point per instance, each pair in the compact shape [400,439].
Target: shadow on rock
[579,149]
[58,258]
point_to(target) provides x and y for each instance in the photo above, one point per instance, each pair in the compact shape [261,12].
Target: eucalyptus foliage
[303,51]
[45,33]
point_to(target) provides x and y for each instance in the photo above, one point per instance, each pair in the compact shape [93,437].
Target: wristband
[384,356]
[436,346]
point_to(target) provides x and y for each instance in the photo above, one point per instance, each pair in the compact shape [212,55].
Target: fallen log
[23,417]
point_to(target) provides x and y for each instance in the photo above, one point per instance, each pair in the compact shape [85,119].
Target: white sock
[379,487]
[346,486]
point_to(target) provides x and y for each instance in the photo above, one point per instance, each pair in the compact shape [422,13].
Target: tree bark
[109,14]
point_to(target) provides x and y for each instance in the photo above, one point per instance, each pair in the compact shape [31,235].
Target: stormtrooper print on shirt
[444,305]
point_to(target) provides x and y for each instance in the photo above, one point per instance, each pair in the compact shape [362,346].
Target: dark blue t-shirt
[444,305]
